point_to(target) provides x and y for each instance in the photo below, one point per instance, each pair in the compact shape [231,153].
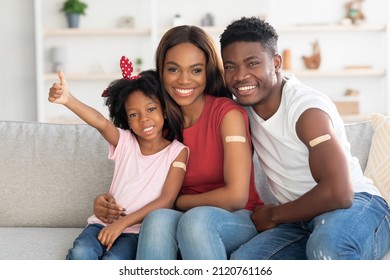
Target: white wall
[17,61]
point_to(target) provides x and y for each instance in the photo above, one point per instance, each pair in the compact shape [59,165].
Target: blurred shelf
[339,73]
[300,73]
[331,28]
[355,118]
[85,76]
[324,27]
[96,32]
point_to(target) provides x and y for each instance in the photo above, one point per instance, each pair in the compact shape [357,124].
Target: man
[327,208]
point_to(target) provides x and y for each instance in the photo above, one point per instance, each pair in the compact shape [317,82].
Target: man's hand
[261,217]
[106,209]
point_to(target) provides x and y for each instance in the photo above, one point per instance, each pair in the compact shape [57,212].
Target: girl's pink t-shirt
[137,179]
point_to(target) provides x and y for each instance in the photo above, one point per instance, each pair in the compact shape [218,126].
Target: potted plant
[73,9]
[138,63]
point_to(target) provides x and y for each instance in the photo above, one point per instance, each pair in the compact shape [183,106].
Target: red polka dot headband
[127,70]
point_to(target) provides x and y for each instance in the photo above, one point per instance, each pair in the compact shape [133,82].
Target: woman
[211,218]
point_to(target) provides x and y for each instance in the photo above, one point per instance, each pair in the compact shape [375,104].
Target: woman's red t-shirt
[205,164]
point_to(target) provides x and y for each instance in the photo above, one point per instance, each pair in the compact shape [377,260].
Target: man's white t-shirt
[283,156]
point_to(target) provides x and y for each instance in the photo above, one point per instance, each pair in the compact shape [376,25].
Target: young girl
[143,158]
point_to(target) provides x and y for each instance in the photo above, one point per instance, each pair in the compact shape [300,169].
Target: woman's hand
[106,209]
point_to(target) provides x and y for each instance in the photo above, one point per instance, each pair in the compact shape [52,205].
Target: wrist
[272,215]
[175,206]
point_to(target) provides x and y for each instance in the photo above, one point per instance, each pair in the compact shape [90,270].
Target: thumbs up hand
[59,92]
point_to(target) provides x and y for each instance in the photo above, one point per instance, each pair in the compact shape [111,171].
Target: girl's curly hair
[119,90]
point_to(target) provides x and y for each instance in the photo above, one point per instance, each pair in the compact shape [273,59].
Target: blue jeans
[359,232]
[88,247]
[201,233]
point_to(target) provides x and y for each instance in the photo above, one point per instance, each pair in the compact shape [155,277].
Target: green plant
[138,61]
[74,7]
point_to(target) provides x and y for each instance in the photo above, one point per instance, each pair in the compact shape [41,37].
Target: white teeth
[184,91]
[148,128]
[246,88]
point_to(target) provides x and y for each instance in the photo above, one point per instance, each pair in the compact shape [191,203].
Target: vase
[73,20]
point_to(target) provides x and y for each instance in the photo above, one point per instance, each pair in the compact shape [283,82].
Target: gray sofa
[50,175]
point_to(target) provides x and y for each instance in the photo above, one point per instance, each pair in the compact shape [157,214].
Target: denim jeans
[359,232]
[88,247]
[201,233]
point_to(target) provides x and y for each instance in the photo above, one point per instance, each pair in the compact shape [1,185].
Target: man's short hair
[251,29]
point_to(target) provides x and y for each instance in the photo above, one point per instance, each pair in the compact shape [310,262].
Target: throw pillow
[378,164]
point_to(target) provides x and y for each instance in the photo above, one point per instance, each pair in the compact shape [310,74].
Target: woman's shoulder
[219,107]
[224,103]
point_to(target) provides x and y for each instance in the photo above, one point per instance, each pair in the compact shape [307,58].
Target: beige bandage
[235,139]
[179,164]
[319,140]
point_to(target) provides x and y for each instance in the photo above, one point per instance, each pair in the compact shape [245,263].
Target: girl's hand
[59,92]
[110,233]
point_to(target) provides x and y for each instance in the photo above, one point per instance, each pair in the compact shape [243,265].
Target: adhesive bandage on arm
[235,138]
[179,164]
[319,140]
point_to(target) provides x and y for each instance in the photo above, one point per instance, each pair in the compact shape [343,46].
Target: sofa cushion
[378,165]
[40,173]
[36,243]
[359,136]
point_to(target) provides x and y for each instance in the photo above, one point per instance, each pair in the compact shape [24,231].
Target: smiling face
[251,73]
[145,115]
[184,73]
